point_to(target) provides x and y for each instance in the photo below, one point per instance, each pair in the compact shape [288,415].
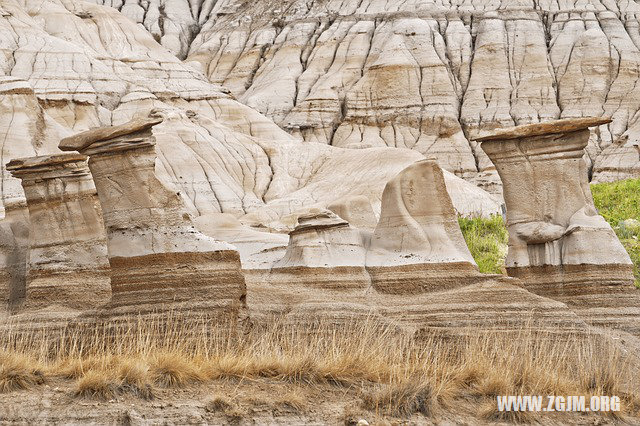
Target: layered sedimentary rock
[417,243]
[100,69]
[324,251]
[416,74]
[67,262]
[413,271]
[558,244]
[159,261]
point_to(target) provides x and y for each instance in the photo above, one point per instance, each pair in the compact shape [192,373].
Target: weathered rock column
[67,260]
[417,245]
[159,261]
[558,244]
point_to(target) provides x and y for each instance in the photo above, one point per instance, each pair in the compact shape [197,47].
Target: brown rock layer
[159,261]
[67,260]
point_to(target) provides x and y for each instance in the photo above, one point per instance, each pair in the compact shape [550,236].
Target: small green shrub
[487,240]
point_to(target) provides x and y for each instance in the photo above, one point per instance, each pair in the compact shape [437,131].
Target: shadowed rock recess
[327,173]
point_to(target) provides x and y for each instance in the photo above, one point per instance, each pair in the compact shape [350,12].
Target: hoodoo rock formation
[67,264]
[311,159]
[324,251]
[418,243]
[558,243]
[158,259]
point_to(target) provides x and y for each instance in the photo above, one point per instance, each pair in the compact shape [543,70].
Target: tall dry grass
[395,374]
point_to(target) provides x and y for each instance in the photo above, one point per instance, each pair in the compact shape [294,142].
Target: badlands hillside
[225,211]
[420,74]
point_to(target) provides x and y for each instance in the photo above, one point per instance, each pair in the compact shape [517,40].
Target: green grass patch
[487,240]
[618,202]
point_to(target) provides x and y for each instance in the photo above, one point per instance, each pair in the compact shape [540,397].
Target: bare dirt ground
[243,402]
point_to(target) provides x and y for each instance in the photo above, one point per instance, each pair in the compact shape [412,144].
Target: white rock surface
[70,66]
[426,75]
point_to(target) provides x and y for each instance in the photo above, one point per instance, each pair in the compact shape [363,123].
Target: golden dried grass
[395,374]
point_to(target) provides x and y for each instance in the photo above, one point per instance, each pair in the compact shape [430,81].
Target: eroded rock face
[67,262]
[558,244]
[324,251]
[356,210]
[416,74]
[418,235]
[158,259]
[101,69]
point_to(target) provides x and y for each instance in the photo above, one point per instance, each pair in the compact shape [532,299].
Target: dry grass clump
[394,373]
[219,403]
[172,370]
[401,399]
[18,371]
[114,377]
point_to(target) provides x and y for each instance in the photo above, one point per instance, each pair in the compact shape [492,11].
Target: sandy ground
[261,402]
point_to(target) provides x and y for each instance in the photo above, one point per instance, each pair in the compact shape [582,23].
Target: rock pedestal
[417,245]
[324,251]
[67,259]
[558,244]
[159,261]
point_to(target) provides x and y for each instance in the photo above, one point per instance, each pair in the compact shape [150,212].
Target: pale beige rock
[258,250]
[158,259]
[67,262]
[356,210]
[429,75]
[223,156]
[418,235]
[558,244]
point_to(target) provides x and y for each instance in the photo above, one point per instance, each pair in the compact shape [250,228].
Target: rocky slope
[422,74]
[67,66]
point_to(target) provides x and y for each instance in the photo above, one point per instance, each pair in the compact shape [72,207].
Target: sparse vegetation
[487,240]
[619,203]
[393,374]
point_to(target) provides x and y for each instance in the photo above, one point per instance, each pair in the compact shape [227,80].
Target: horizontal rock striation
[558,244]
[159,261]
[67,264]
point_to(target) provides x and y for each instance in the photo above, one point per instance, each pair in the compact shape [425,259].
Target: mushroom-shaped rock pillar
[159,261]
[324,251]
[558,243]
[67,262]
[417,245]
